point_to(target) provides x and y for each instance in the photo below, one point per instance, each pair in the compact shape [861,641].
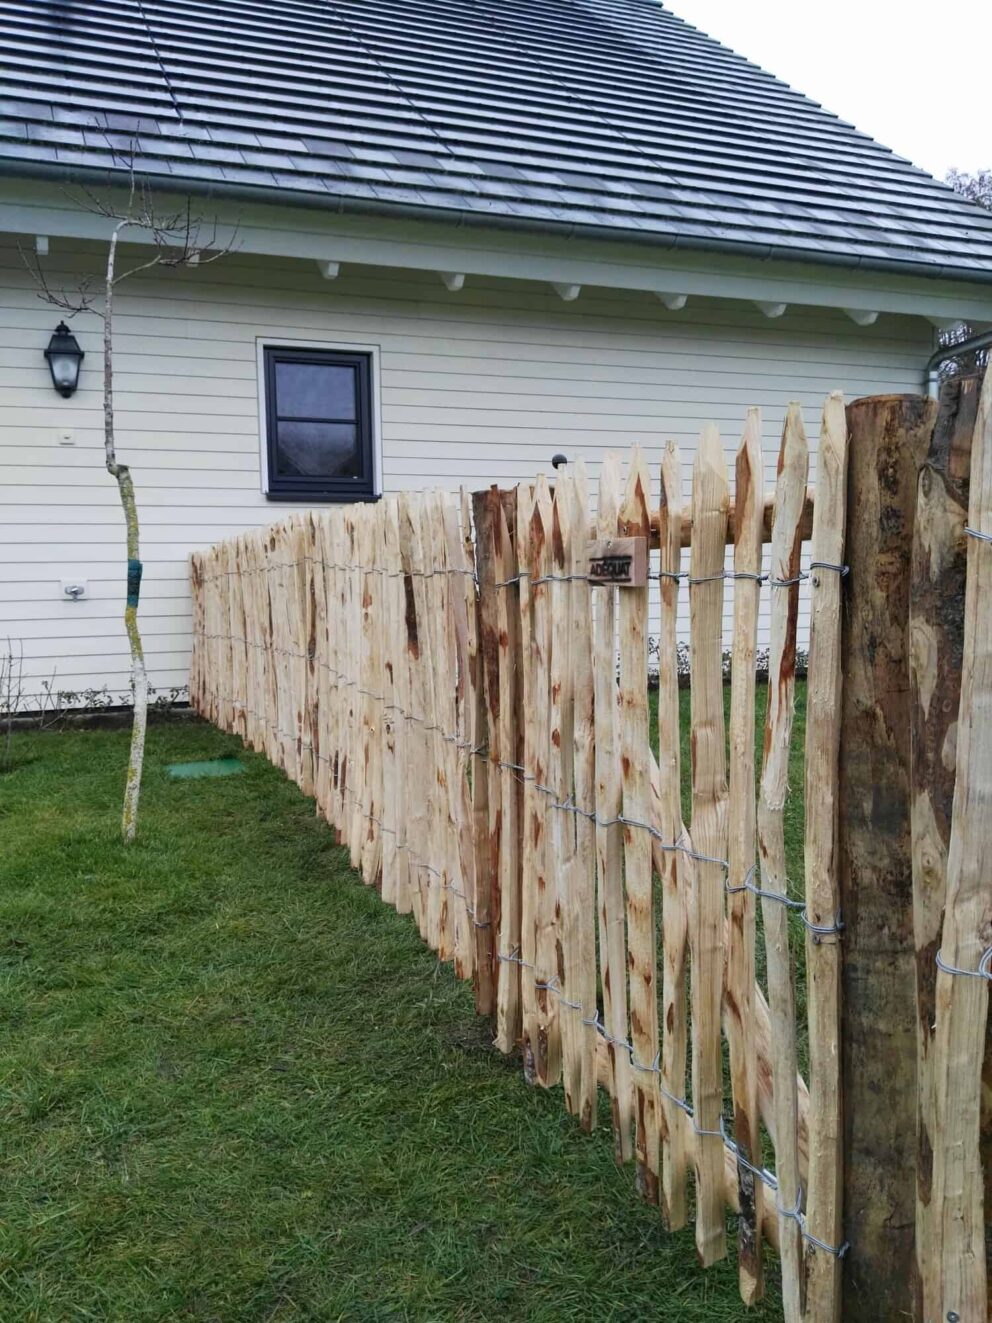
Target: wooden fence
[463,687]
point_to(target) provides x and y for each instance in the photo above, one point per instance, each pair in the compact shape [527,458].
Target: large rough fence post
[936,637]
[889,438]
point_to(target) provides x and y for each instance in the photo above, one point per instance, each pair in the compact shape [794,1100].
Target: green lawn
[235,1086]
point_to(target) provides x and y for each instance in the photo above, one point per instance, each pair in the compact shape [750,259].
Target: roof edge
[20,169]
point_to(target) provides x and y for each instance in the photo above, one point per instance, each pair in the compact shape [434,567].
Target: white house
[466,236]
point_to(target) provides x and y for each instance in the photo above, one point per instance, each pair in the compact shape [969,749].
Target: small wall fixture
[862,316]
[64,357]
[771,309]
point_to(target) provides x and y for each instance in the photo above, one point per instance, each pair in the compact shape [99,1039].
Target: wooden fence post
[965,946]
[889,437]
[936,636]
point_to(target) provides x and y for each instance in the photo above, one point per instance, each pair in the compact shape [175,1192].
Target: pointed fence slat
[739,999]
[501,623]
[561,838]
[542,822]
[609,837]
[581,974]
[824,1221]
[671,866]
[478,765]
[784,587]
[710,501]
[533,824]
[641,936]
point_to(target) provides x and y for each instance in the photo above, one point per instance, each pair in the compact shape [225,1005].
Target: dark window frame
[318,487]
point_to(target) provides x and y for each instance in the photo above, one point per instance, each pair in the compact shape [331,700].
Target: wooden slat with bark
[936,639]
[958,1225]
[547,1047]
[532,823]
[435,860]
[582,981]
[824,1220]
[395,864]
[371,678]
[784,569]
[417,826]
[710,500]
[445,662]
[319,675]
[461,711]
[561,836]
[739,994]
[609,838]
[634,749]
[483,783]
[485,511]
[670,864]
[500,618]
[301,644]
[336,626]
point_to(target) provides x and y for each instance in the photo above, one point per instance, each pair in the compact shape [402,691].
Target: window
[318,425]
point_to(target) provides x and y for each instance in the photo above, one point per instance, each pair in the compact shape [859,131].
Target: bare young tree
[178,239]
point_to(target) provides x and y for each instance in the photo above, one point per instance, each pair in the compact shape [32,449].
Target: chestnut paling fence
[468,703]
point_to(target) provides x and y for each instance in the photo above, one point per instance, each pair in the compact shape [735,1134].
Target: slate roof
[591,116]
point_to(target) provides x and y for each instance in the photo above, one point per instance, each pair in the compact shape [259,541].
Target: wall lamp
[64,357]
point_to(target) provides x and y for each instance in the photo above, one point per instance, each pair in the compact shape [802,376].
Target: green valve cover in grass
[209,767]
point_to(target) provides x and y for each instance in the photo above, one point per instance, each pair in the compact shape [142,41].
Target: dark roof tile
[611,114]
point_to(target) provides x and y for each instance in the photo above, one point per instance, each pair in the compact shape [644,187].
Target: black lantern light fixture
[64,357]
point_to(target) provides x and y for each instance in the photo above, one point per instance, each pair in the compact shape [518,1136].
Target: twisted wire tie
[842,570]
[794,1214]
[838,1251]
[818,930]
[977,533]
[984,969]
[801,577]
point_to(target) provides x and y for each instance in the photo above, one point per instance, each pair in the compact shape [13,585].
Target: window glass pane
[318,450]
[315,390]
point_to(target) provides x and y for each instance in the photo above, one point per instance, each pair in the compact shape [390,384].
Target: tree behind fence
[467,700]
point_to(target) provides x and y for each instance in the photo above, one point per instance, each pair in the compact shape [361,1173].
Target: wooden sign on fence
[620,561]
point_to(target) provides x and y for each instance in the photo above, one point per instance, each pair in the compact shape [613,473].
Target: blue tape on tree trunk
[133,582]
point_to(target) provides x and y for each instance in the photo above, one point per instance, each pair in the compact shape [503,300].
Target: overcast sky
[915,76]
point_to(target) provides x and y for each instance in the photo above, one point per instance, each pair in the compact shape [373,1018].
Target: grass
[235,1086]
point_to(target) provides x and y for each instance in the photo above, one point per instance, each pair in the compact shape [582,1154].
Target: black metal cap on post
[558,460]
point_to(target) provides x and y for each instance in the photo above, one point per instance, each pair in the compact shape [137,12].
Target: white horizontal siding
[477,387]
